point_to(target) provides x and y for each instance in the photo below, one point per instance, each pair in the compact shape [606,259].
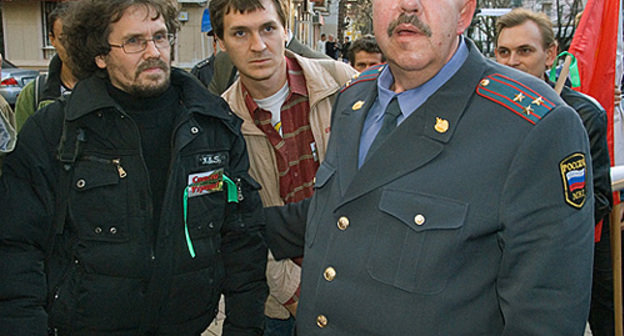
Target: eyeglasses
[135,45]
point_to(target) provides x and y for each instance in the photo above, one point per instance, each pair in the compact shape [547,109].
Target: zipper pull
[239,189]
[122,172]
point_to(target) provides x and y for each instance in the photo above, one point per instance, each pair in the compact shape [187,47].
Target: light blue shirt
[409,100]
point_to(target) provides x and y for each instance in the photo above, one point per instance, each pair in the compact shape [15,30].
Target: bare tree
[361,14]
[566,11]
[483,28]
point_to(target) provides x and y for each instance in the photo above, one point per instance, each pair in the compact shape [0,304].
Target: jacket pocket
[319,201]
[61,298]
[416,241]
[99,199]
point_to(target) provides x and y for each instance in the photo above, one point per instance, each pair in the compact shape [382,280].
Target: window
[46,8]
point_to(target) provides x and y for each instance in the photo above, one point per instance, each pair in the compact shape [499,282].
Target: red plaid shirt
[295,150]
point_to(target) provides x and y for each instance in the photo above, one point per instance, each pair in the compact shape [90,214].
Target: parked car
[13,79]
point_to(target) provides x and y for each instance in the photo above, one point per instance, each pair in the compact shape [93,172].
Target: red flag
[594,45]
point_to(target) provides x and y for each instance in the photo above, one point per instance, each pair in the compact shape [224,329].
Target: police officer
[455,197]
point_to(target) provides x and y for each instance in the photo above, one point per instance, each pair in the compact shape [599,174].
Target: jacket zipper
[152,247]
[115,162]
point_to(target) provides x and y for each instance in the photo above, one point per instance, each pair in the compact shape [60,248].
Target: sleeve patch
[515,96]
[573,171]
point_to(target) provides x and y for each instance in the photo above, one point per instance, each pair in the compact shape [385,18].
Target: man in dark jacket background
[127,207]
[526,41]
[59,80]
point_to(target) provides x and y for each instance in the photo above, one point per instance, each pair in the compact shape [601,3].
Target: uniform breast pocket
[417,241]
[98,201]
[319,201]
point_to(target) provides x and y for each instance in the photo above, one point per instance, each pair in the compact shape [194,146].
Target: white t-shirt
[274,104]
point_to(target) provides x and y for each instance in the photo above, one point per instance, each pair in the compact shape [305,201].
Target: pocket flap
[91,175]
[422,212]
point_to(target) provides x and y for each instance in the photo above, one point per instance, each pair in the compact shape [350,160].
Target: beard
[150,86]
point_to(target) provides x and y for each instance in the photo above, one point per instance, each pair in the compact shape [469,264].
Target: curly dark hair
[219,8]
[88,24]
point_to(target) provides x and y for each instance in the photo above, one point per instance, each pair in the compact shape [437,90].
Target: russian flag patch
[573,171]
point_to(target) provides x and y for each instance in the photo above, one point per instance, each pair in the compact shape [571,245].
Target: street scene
[311,167]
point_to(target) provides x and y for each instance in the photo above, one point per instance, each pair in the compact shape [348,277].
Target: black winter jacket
[110,270]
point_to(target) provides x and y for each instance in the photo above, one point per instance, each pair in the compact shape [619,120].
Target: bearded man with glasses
[128,208]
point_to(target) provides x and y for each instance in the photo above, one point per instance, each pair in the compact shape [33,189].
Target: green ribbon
[232,195]
[232,190]
[575,78]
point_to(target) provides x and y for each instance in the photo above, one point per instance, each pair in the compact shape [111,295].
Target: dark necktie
[393,111]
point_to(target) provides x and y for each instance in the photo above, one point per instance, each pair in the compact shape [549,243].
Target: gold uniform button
[419,219]
[329,274]
[343,223]
[321,321]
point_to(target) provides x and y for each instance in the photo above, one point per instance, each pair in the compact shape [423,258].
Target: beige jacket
[324,78]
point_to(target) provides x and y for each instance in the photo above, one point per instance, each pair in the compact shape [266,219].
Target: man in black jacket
[127,207]
[525,41]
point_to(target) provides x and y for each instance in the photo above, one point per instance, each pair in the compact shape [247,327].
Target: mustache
[151,63]
[409,19]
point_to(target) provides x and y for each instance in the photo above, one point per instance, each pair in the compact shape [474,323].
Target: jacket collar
[91,95]
[52,86]
[417,140]
[319,82]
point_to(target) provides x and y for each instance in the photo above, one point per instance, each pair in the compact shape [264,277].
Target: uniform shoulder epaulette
[515,96]
[368,75]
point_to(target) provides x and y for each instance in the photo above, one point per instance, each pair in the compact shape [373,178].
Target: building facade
[26,43]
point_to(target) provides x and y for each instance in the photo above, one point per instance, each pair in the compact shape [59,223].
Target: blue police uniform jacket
[473,217]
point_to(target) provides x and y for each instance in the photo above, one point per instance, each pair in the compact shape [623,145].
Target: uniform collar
[410,100]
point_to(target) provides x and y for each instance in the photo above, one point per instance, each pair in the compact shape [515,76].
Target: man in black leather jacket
[127,207]
[525,40]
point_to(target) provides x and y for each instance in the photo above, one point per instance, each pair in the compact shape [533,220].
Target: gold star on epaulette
[539,101]
[519,97]
[527,110]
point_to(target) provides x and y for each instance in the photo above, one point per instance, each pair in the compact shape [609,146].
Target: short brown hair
[58,13]
[367,44]
[220,8]
[88,25]
[519,16]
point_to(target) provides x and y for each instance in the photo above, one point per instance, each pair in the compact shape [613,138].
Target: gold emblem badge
[358,105]
[442,125]
[485,82]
